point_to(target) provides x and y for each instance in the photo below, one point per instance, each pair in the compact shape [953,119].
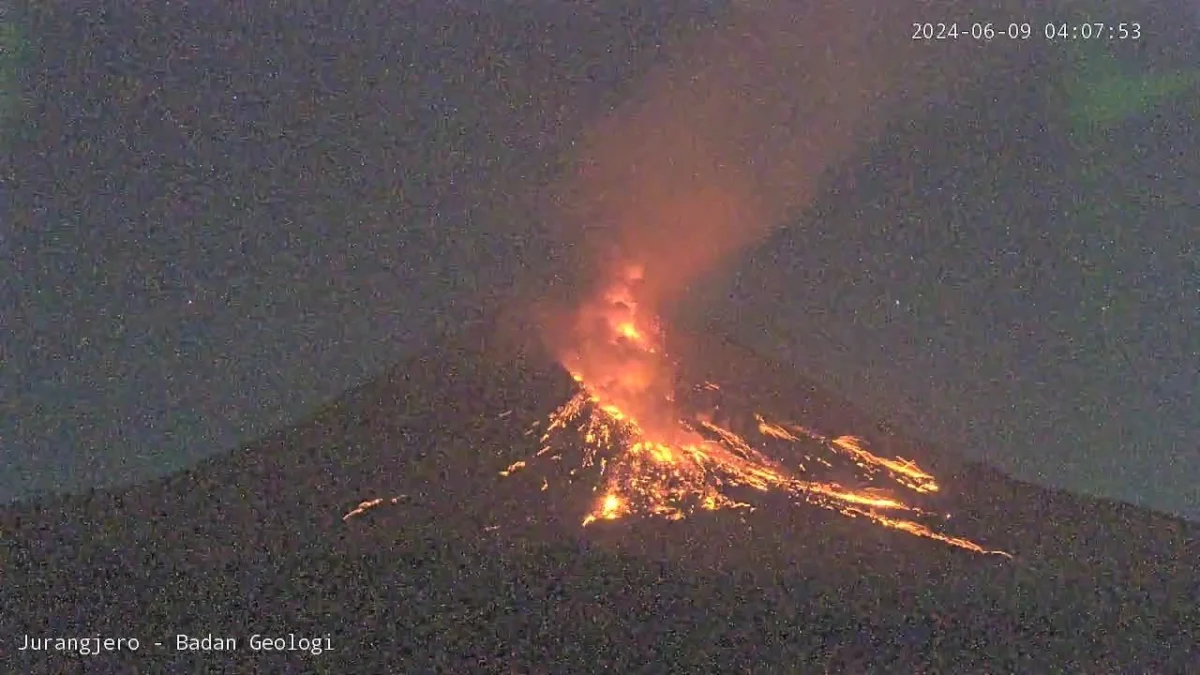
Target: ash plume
[727,137]
[733,133]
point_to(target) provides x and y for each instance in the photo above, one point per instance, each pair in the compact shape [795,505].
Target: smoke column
[717,146]
[737,131]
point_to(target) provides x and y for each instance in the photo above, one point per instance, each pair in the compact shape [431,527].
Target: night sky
[221,218]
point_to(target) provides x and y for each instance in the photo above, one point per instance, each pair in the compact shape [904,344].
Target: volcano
[381,536]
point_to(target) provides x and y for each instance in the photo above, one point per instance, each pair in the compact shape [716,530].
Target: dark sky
[221,218]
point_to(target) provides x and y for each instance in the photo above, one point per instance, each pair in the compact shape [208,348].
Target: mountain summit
[382,534]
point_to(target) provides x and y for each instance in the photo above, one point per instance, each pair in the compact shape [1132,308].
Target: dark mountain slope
[467,572]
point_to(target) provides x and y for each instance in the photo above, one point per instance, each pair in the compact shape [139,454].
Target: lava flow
[653,459]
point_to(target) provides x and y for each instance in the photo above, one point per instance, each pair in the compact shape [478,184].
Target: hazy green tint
[13,49]
[1102,92]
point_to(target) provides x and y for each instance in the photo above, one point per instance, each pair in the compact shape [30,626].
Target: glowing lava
[652,459]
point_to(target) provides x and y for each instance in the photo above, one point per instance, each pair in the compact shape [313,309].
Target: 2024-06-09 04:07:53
[1053,31]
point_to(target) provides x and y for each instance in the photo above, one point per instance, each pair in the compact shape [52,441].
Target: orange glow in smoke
[737,133]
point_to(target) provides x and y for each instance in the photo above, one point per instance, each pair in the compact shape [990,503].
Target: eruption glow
[654,459]
[734,133]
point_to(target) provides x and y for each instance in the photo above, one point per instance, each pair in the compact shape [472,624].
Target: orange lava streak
[370,504]
[643,477]
[651,459]
[923,531]
[904,470]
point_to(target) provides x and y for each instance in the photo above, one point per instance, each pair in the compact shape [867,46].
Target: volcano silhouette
[457,570]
